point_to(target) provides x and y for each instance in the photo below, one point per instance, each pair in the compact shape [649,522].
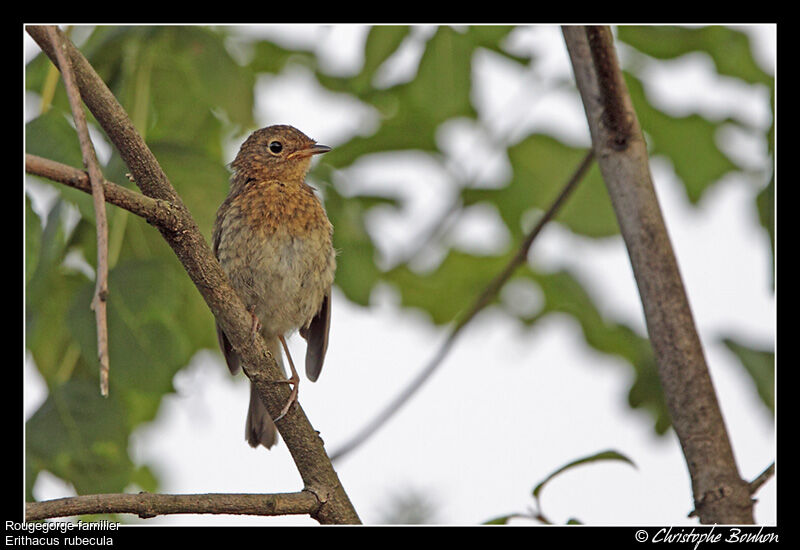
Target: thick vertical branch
[720,495]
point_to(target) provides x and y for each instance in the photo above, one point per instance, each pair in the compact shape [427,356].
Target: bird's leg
[294,380]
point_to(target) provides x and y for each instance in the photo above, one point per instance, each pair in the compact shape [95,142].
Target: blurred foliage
[189,95]
[760,366]
[408,507]
[536,512]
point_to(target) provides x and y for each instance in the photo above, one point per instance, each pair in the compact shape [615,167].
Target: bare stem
[147,505]
[155,211]
[762,478]
[96,180]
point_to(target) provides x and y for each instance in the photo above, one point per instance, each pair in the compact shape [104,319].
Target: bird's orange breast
[273,204]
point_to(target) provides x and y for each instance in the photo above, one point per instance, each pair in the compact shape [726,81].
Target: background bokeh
[448,144]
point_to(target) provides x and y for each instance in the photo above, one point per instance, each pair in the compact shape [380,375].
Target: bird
[273,239]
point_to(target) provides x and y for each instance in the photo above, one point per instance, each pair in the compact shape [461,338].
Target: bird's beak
[315,149]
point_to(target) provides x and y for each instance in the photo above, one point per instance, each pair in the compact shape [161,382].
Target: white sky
[510,404]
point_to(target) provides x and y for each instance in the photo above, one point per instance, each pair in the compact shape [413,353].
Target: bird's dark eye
[275,146]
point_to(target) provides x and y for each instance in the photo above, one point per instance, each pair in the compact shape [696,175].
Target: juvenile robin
[274,241]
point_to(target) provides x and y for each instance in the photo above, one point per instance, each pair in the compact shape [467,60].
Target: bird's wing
[316,334]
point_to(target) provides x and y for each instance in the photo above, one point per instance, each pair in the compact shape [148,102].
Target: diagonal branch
[721,496]
[148,505]
[194,253]
[483,300]
[96,179]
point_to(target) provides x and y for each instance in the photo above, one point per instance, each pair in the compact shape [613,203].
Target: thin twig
[522,253]
[481,302]
[453,212]
[96,179]
[762,478]
[147,505]
[754,485]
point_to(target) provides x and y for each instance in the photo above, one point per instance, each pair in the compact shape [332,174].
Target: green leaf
[760,365]
[148,340]
[269,57]
[173,78]
[683,140]
[461,277]
[154,329]
[382,42]
[765,204]
[52,136]
[455,283]
[491,37]
[49,292]
[33,239]
[412,111]
[76,436]
[730,49]
[200,178]
[144,478]
[356,272]
[601,456]
[501,520]
[444,74]
[563,293]
[542,165]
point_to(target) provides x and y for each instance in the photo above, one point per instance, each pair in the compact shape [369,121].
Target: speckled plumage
[274,241]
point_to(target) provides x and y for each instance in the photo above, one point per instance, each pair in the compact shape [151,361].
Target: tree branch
[195,255]
[96,180]
[762,478]
[148,505]
[721,496]
[483,300]
[156,211]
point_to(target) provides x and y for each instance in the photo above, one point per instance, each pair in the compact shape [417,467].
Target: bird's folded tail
[260,429]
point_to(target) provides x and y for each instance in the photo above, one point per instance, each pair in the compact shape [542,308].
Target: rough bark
[720,494]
